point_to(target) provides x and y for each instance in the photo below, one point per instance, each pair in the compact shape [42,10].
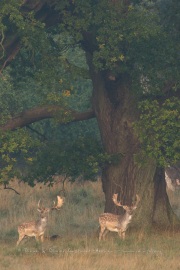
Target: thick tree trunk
[115,107]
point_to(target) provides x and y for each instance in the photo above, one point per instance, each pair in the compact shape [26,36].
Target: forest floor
[76,244]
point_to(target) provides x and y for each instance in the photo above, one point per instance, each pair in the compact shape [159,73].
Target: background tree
[132,57]
[30,84]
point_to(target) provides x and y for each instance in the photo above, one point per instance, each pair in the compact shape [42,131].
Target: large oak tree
[131,56]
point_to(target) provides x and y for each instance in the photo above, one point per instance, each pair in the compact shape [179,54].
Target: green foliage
[125,39]
[7,97]
[121,35]
[15,148]
[79,158]
[158,130]
[55,76]
[29,85]
[24,25]
[170,15]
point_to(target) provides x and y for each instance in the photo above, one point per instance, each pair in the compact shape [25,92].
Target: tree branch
[44,112]
[5,187]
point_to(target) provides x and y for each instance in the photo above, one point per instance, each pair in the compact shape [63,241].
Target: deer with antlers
[117,223]
[37,228]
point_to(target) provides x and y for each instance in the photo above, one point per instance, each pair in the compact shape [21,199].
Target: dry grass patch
[88,258]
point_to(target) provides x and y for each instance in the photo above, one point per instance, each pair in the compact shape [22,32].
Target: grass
[76,224]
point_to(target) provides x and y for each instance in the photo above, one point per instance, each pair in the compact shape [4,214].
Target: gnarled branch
[44,112]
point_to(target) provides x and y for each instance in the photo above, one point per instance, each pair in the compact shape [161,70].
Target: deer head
[43,210]
[128,209]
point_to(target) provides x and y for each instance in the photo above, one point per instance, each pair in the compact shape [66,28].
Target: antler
[137,200]
[114,198]
[39,207]
[60,202]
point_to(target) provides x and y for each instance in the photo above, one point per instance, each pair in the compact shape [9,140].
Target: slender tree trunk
[115,107]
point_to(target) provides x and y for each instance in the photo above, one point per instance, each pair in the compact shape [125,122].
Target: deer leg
[20,239]
[102,229]
[37,238]
[42,238]
[120,233]
[104,234]
[123,235]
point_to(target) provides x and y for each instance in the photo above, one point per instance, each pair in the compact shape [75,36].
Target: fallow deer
[37,228]
[117,223]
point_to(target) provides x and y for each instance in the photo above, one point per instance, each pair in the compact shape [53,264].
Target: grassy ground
[76,224]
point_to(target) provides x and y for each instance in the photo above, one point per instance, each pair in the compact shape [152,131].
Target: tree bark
[115,107]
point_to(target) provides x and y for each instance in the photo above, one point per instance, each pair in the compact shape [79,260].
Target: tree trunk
[162,204]
[115,107]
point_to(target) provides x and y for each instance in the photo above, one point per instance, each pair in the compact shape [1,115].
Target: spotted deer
[117,223]
[37,228]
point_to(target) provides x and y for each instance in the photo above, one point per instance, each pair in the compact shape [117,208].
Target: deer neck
[126,219]
[42,222]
